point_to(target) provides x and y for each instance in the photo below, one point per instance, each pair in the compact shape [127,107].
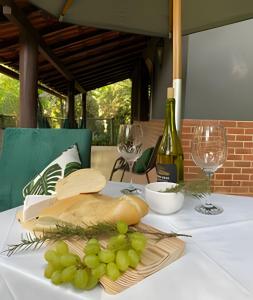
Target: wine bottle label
[166,172]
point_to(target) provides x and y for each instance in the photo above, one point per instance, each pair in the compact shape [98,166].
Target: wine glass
[209,151]
[130,148]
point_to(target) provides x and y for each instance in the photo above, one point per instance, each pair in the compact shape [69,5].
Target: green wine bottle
[170,158]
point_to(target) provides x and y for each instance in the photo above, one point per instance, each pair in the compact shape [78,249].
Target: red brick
[235,131]
[186,143]
[186,129]
[187,149]
[245,124]
[243,164]
[222,189]
[231,137]
[239,190]
[246,183]
[234,157]
[243,151]
[189,176]
[235,144]
[217,182]
[187,136]
[226,123]
[187,156]
[223,176]
[248,144]
[189,163]
[247,170]
[248,157]
[194,170]
[241,177]
[244,138]
[251,177]
[248,131]
[228,164]
[190,122]
[233,170]
[231,150]
[210,122]
[232,183]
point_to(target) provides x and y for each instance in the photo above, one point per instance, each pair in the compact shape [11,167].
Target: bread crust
[88,209]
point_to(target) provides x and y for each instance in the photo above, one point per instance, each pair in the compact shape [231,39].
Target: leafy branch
[66,231]
[196,188]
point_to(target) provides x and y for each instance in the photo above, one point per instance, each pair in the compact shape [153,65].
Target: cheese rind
[34,204]
[83,181]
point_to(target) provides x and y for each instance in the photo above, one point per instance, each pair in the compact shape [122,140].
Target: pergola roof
[93,57]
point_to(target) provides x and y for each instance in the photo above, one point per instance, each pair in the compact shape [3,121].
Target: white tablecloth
[217,264]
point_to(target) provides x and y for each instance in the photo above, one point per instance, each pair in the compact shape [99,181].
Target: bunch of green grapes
[123,251]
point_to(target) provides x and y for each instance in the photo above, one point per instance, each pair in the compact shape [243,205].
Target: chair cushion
[142,162]
[27,151]
[44,183]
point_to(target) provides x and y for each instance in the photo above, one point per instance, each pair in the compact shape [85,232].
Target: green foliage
[107,107]
[53,108]
[9,95]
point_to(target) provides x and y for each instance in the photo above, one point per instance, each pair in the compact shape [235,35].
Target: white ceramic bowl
[163,203]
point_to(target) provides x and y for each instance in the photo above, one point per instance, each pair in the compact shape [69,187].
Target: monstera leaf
[45,185]
[71,167]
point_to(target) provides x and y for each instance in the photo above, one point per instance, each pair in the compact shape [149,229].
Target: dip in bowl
[163,202]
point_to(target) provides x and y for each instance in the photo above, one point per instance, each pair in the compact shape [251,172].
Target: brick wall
[236,175]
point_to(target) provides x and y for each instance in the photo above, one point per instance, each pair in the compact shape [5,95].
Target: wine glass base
[209,209]
[131,191]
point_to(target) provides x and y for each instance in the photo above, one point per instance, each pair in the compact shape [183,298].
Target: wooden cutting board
[157,255]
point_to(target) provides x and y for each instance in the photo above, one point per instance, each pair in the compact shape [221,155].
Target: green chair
[143,165]
[27,151]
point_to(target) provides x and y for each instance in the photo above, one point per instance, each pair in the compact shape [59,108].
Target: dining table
[217,263]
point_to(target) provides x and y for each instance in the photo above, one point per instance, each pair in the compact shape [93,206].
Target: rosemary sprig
[196,188]
[67,231]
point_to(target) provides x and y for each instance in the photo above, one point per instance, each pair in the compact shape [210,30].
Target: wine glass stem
[207,198]
[130,164]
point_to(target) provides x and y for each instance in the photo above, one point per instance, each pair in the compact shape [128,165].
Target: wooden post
[177,59]
[28,62]
[84,110]
[71,105]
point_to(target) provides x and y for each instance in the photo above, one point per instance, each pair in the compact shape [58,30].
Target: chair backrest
[150,164]
[27,151]
[152,161]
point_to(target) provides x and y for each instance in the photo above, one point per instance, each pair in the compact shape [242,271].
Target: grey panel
[150,17]
[220,73]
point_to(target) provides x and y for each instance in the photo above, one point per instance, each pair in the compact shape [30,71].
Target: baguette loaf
[88,209]
[83,181]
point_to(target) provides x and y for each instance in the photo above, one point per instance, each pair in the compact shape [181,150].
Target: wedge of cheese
[88,209]
[82,181]
[34,204]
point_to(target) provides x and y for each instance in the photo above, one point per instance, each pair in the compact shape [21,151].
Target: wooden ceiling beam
[116,73]
[15,75]
[112,55]
[105,72]
[99,84]
[16,16]
[128,56]
[110,61]
[108,47]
